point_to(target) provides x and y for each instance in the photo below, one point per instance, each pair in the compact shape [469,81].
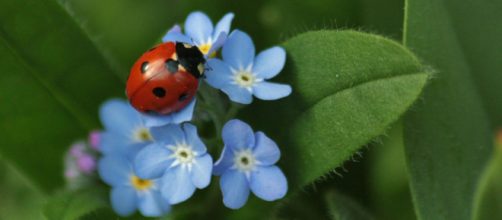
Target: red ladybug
[165,78]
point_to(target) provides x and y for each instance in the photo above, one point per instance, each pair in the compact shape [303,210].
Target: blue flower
[127,131]
[199,30]
[241,75]
[247,164]
[179,158]
[129,192]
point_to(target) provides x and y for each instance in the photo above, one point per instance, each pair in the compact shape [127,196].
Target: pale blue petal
[176,37]
[238,94]
[217,43]
[225,161]
[219,74]
[119,145]
[124,201]
[199,27]
[269,62]
[152,161]
[223,26]
[168,134]
[201,171]
[119,117]
[238,50]
[151,204]
[155,120]
[175,29]
[238,135]
[193,139]
[269,183]
[235,189]
[177,185]
[271,91]
[115,170]
[266,150]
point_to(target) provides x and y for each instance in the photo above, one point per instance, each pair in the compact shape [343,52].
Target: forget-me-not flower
[247,163]
[129,192]
[199,30]
[179,157]
[241,75]
[127,131]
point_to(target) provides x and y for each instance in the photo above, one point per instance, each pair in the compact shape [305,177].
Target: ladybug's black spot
[159,92]
[172,66]
[144,67]
[183,97]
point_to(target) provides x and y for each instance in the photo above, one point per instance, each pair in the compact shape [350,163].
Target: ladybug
[165,78]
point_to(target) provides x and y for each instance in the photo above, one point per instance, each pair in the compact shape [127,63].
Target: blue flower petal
[119,117]
[271,91]
[192,139]
[266,150]
[201,171]
[199,27]
[115,170]
[177,185]
[175,29]
[185,114]
[238,135]
[176,37]
[225,161]
[124,201]
[269,62]
[151,204]
[238,51]
[168,134]
[119,145]
[219,74]
[217,43]
[235,189]
[238,94]
[223,25]
[268,183]
[152,161]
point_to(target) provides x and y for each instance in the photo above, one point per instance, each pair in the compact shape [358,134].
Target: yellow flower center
[140,184]
[204,48]
[142,134]
[244,79]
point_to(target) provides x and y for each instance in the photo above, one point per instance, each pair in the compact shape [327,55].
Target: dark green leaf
[75,204]
[489,201]
[53,80]
[342,207]
[349,87]
[447,137]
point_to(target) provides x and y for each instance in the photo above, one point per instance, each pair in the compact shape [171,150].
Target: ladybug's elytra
[165,78]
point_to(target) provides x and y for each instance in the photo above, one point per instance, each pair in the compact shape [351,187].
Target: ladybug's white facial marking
[142,134]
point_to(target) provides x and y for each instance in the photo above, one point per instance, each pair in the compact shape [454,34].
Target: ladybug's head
[191,59]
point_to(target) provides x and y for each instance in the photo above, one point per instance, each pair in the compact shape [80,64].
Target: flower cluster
[155,161]
[80,162]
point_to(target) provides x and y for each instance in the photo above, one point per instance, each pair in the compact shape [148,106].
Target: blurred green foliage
[59,59]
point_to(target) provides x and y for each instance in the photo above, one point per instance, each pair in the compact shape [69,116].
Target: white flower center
[244,79]
[183,155]
[142,134]
[245,161]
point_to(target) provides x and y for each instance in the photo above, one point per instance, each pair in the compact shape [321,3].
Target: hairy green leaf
[71,205]
[349,87]
[53,79]
[342,207]
[447,137]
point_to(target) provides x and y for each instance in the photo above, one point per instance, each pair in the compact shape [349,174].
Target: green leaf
[489,203]
[447,137]
[53,80]
[342,207]
[71,205]
[349,87]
